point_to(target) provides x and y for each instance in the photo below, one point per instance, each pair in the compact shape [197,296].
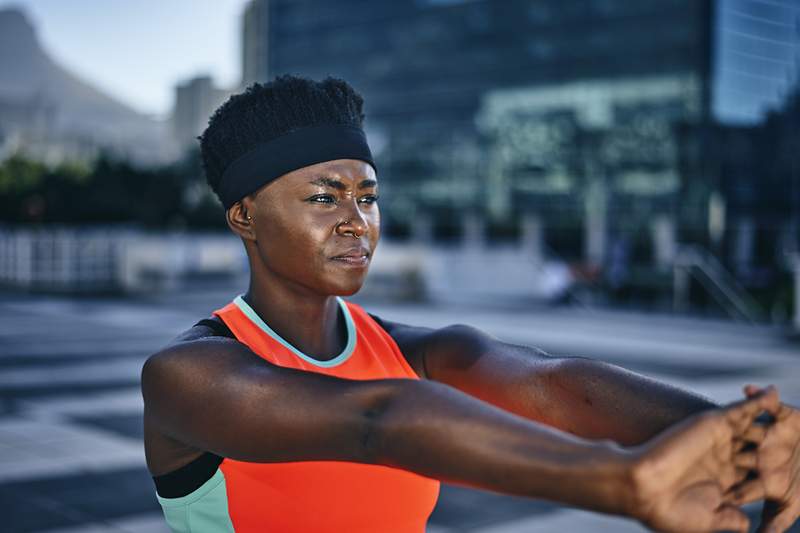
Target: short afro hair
[266,111]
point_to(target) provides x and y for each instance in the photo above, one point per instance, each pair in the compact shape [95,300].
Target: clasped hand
[777,469]
[694,476]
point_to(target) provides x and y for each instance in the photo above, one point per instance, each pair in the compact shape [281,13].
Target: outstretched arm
[588,398]
[266,413]
[593,399]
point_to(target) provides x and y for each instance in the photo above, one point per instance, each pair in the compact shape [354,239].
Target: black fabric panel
[219,327]
[187,478]
[190,477]
[378,320]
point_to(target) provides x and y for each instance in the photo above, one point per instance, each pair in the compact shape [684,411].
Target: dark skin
[485,413]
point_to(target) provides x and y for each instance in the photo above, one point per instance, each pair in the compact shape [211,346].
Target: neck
[310,322]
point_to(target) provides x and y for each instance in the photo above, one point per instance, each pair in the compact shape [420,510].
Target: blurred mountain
[43,101]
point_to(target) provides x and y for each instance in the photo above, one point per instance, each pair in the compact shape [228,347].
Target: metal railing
[696,262]
[95,259]
[795,265]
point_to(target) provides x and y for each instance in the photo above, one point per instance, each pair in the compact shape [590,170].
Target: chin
[347,293]
[347,289]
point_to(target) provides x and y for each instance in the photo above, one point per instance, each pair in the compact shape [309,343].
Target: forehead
[343,169]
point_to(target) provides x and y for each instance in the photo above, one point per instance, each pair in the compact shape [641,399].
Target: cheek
[375,226]
[295,242]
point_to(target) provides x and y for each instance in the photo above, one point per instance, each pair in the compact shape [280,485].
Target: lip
[355,257]
[354,253]
[359,262]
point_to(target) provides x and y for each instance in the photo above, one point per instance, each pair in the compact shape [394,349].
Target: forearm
[440,432]
[587,398]
[601,401]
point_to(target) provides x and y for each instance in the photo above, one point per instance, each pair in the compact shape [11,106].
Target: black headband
[293,150]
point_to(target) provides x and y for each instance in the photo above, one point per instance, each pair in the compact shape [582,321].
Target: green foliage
[108,191]
[19,175]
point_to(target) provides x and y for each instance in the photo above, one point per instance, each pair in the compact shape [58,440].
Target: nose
[354,221]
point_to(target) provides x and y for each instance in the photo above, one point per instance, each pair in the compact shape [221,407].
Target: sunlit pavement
[71,458]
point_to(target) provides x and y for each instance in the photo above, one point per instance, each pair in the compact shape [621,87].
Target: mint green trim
[339,359]
[203,511]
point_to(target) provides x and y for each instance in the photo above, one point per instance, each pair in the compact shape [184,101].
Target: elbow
[370,442]
[380,418]
[565,369]
[570,378]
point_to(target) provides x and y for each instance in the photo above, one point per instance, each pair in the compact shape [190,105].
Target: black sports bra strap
[216,325]
[188,478]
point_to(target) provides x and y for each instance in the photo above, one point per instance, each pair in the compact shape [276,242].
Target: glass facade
[603,121]
[436,73]
[757,45]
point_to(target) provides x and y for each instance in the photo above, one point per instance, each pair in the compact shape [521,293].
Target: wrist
[643,484]
[598,475]
[617,477]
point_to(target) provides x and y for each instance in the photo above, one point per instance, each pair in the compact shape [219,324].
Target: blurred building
[195,101]
[760,182]
[757,48]
[254,25]
[441,79]
[594,124]
[756,136]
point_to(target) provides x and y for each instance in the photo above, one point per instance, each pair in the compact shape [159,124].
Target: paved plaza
[71,457]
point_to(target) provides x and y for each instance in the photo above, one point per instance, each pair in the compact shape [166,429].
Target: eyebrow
[336,184]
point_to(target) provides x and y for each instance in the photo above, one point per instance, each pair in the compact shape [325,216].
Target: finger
[751,390]
[740,475]
[730,518]
[731,478]
[755,434]
[742,413]
[783,412]
[748,491]
[747,460]
[741,444]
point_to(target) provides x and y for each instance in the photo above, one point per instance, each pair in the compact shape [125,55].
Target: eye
[371,199]
[322,199]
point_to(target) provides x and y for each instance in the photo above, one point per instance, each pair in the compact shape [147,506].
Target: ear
[240,220]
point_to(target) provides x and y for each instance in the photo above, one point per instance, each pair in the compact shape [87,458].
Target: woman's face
[306,219]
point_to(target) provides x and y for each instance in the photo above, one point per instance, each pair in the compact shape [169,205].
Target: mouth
[357,257]
[360,261]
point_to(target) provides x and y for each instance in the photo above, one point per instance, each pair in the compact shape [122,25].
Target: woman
[291,409]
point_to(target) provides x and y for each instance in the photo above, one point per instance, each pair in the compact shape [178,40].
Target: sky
[137,50]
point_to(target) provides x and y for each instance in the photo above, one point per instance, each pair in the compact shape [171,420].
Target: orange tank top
[325,496]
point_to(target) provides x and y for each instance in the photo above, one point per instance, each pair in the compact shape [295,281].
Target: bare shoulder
[193,353]
[178,372]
